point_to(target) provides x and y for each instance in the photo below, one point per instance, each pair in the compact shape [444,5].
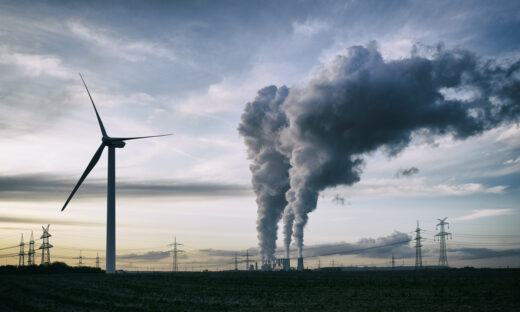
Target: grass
[428,290]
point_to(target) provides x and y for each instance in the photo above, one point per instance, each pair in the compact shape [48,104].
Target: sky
[190,68]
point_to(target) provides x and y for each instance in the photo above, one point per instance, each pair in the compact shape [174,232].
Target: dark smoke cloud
[54,187]
[261,124]
[151,255]
[360,103]
[43,221]
[381,247]
[210,252]
[483,253]
[397,243]
[407,172]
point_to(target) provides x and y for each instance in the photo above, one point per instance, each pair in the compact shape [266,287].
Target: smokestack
[286,264]
[267,265]
[300,264]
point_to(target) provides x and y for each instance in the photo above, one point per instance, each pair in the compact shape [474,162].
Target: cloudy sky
[190,67]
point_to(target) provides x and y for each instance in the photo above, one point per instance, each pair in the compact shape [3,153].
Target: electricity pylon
[80,259]
[236,262]
[30,254]
[46,246]
[418,255]
[247,259]
[442,236]
[393,261]
[21,255]
[175,266]
[97,260]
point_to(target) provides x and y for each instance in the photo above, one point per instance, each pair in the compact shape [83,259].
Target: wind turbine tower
[442,236]
[418,255]
[112,143]
[46,246]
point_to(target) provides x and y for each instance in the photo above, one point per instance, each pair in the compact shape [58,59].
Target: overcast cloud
[190,67]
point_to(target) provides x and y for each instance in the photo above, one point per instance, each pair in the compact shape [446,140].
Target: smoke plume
[261,124]
[360,103]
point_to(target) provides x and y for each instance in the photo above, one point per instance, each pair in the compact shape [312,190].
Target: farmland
[427,290]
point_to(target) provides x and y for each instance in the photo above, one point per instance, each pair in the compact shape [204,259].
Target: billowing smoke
[261,124]
[360,103]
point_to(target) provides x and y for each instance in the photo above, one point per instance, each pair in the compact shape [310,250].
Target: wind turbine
[112,144]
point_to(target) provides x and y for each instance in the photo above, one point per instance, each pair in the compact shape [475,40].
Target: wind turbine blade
[91,165]
[97,114]
[143,137]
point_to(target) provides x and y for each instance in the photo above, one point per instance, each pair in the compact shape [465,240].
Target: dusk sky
[190,68]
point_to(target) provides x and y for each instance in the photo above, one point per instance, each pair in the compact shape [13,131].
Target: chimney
[266,266]
[300,264]
[286,264]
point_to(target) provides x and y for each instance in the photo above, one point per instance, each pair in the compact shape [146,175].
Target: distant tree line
[53,268]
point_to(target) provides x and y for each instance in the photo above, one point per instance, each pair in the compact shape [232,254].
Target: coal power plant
[303,140]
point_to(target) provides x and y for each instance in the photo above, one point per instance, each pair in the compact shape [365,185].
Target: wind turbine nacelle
[117,144]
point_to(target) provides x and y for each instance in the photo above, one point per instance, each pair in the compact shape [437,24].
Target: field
[428,290]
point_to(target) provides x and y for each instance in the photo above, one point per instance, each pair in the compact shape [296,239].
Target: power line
[481,235]
[10,247]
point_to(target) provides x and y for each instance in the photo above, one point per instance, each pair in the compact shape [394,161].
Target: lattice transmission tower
[418,245]
[97,260]
[46,246]
[80,259]
[442,236]
[21,254]
[247,259]
[175,252]
[30,254]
